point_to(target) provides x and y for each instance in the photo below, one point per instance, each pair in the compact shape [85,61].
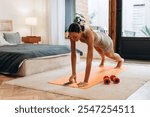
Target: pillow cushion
[3,41]
[13,38]
[1,34]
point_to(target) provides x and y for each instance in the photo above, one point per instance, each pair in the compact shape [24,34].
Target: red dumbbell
[114,79]
[106,80]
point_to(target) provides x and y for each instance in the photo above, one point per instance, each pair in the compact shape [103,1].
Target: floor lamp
[31,21]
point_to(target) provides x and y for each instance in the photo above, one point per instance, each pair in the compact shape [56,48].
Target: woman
[100,41]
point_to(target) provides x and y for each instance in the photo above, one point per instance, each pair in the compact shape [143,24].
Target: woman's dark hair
[75,27]
[82,27]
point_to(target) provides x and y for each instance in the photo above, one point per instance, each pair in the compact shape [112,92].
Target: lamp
[31,21]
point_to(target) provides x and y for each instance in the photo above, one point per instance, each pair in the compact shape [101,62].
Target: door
[133,29]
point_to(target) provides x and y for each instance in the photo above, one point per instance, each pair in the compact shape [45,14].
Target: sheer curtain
[40,11]
[56,21]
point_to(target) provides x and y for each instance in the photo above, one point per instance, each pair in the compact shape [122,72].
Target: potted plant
[80,19]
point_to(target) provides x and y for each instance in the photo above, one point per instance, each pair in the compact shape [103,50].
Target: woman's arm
[90,42]
[73,57]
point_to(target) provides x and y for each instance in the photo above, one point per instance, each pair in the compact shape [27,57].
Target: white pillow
[1,34]
[12,37]
[3,41]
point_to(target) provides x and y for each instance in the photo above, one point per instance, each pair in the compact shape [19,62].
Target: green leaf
[146,31]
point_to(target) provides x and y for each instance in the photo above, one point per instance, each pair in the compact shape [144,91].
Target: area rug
[97,75]
[131,80]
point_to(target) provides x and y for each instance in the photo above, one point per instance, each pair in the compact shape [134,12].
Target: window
[136,18]
[95,13]
[98,14]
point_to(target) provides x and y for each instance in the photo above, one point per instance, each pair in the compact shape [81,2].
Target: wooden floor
[9,92]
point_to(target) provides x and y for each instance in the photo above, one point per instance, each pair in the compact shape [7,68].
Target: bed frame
[42,64]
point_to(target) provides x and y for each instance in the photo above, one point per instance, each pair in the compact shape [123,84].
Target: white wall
[18,10]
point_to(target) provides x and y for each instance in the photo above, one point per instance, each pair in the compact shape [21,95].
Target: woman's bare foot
[119,64]
[82,84]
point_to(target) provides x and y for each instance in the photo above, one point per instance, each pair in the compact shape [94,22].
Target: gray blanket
[12,55]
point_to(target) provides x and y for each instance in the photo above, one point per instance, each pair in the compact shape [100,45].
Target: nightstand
[31,39]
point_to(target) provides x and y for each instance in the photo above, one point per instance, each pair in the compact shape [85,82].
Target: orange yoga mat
[96,76]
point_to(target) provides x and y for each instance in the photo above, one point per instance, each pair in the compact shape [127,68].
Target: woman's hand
[72,78]
[82,84]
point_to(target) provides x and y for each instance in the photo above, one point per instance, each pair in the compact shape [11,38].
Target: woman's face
[75,36]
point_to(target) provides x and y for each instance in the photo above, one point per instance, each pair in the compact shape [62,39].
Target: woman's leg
[102,56]
[111,54]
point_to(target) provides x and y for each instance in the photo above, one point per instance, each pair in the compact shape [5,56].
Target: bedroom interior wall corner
[56,21]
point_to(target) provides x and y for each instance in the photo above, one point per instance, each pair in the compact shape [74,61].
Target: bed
[27,59]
